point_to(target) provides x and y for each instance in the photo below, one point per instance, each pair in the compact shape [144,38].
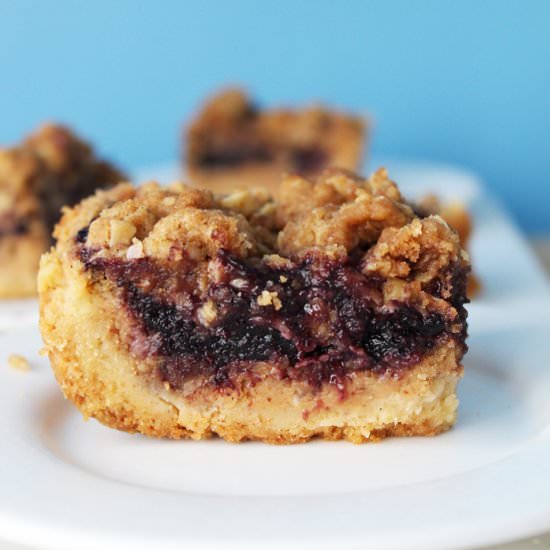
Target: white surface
[67,484]
[18,313]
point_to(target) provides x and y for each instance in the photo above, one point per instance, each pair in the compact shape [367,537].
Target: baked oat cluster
[333,311]
[458,217]
[232,143]
[50,169]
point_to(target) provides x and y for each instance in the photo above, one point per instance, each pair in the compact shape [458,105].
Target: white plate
[18,313]
[68,484]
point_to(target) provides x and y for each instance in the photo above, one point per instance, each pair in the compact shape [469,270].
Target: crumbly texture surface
[458,217]
[233,144]
[51,168]
[333,312]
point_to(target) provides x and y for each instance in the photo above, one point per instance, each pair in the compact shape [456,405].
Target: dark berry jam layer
[303,160]
[315,320]
[233,156]
[308,160]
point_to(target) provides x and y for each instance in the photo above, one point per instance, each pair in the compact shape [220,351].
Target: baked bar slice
[49,169]
[333,312]
[232,143]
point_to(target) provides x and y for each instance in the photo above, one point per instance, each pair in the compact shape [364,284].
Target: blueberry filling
[233,156]
[308,160]
[323,319]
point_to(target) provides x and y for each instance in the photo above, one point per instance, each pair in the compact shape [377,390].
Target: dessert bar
[333,311]
[51,168]
[232,143]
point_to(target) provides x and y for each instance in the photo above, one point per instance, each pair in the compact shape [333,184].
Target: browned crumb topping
[337,214]
[338,210]
[457,216]
[51,168]
[231,130]
[454,213]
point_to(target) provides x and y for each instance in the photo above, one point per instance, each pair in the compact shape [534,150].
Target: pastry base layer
[85,336]
[19,259]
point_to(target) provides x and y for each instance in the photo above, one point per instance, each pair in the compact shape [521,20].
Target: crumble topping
[454,213]
[19,172]
[336,213]
[457,216]
[51,168]
[338,209]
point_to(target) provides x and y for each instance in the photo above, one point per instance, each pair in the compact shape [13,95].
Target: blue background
[462,82]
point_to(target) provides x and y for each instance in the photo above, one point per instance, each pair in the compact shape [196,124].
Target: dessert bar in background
[232,143]
[457,216]
[50,169]
[334,311]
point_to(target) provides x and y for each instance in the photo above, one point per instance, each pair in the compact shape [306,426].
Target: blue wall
[463,82]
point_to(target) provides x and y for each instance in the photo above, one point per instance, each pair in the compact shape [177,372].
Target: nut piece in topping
[207,313]
[270,298]
[121,232]
[135,251]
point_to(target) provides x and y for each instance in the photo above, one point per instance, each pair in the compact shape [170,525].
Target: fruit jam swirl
[317,319]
